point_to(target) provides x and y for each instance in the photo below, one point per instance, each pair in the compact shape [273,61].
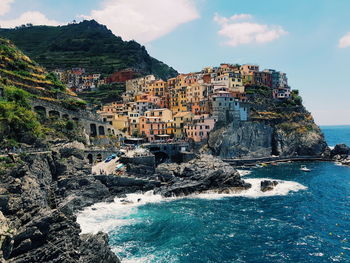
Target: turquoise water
[308,224]
[311,225]
[337,134]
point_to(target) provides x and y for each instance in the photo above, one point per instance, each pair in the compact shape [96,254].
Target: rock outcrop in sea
[201,174]
[341,153]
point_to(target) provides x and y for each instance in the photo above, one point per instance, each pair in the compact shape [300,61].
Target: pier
[270,159]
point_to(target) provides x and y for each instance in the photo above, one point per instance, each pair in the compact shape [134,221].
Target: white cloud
[5,6]
[33,17]
[345,41]
[240,33]
[241,17]
[144,20]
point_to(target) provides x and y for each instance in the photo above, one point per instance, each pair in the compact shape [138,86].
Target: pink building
[152,126]
[200,127]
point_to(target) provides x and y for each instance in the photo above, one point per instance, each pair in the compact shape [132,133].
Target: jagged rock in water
[198,175]
[267,185]
[340,149]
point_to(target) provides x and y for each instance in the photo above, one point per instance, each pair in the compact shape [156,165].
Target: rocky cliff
[282,128]
[39,194]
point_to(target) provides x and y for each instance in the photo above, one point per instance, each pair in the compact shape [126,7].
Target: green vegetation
[104,94]
[17,121]
[87,44]
[17,69]
[60,128]
[73,104]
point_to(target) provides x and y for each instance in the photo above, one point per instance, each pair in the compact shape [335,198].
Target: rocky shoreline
[41,195]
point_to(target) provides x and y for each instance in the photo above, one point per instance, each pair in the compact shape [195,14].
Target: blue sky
[301,38]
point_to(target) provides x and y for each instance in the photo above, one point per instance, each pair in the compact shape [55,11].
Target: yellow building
[156,88]
[180,120]
[163,114]
[120,122]
[247,72]
[133,125]
[178,101]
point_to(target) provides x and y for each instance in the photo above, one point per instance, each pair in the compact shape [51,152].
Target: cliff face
[282,128]
[39,195]
[244,139]
[40,227]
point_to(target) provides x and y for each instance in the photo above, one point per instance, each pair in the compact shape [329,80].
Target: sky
[309,40]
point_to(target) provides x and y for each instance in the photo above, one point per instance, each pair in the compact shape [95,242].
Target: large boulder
[204,173]
[340,149]
[267,185]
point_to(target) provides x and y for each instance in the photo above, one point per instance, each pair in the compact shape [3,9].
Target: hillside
[19,70]
[86,44]
[22,80]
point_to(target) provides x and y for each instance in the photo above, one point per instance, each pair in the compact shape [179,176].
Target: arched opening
[99,157]
[93,130]
[101,130]
[109,131]
[90,158]
[161,157]
[65,116]
[54,114]
[40,110]
[113,132]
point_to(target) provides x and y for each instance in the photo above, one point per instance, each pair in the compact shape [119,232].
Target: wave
[243,173]
[282,188]
[106,217]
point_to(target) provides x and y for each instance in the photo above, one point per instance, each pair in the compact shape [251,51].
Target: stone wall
[92,123]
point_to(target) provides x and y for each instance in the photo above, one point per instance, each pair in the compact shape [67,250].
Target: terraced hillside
[87,44]
[17,69]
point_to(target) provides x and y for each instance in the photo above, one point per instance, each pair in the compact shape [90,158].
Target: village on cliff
[182,108]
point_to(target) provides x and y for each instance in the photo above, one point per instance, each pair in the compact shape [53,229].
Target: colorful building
[180,120]
[198,130]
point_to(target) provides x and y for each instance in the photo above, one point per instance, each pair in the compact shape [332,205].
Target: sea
[306,218]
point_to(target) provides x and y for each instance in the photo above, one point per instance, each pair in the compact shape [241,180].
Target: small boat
[304,168]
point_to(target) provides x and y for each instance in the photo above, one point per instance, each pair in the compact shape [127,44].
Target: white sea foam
[282,188]
[108,216]
[244,172]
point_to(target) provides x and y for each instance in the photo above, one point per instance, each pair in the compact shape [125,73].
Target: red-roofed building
[122,76]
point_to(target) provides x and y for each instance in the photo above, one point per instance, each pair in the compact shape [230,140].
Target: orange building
[152,126]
